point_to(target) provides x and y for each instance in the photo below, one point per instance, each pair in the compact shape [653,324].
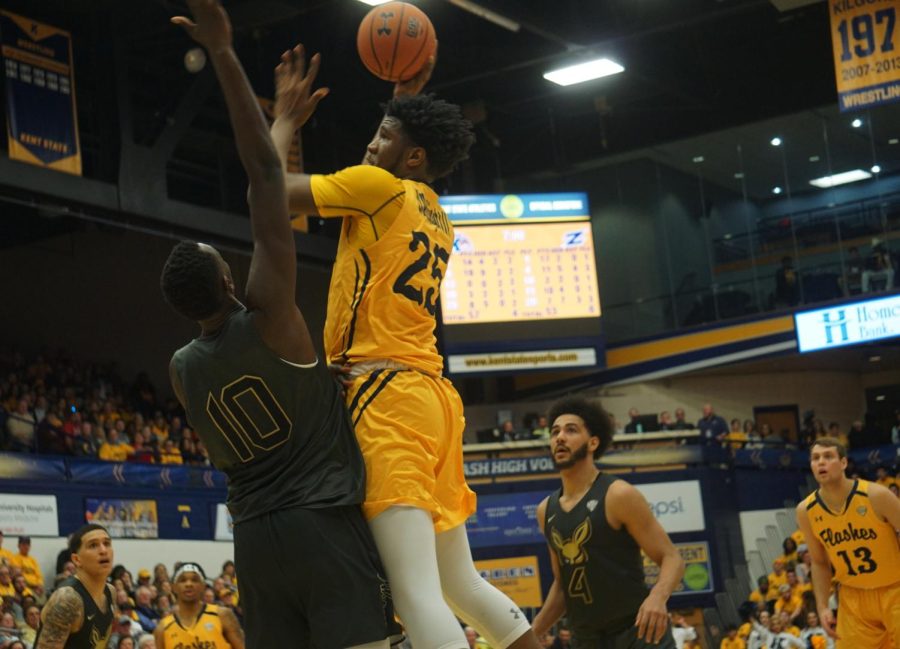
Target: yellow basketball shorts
[410,428]
[869,618]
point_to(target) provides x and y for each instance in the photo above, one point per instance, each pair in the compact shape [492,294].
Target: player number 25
[438,256]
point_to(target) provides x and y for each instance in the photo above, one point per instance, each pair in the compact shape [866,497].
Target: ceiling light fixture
[814,158]
[374,3]
[894,140]
[777,190]
[876,169]
[856,123]
[775,141]
[699,158]
[874,359]
[581,72]
[840,179]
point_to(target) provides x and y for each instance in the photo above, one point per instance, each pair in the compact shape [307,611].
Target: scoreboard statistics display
[520,291]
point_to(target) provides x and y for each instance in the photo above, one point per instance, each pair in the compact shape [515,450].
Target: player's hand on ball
[652,620]
[414,86]
[210,27]
[293,83]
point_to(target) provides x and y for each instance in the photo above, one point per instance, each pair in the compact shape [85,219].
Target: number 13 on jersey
[866,48]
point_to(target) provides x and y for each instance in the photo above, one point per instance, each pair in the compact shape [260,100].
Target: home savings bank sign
[848,324]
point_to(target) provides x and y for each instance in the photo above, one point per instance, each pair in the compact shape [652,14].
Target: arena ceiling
[693,67]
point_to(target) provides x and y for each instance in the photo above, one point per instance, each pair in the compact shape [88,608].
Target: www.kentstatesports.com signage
[848,324]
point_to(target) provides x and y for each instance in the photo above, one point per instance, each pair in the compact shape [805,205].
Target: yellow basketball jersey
[385,284]
[863,549]
[206,633]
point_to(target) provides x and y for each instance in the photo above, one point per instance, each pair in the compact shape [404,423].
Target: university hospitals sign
[848,324]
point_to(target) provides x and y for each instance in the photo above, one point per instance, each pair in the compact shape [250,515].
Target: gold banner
[866,50]
[518,577]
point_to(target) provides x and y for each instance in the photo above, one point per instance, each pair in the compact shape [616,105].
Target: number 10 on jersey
[866,52]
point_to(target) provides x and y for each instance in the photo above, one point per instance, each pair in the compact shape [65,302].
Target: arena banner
[41,122]
[678,506]
[224,524]
[21,466]
[505,519]
[543,464]
[697,569]
[124,519]
[866,50]
[518,577]
[28,515]
[164,476]
[784,458]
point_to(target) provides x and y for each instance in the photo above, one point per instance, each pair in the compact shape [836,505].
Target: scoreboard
[521,290]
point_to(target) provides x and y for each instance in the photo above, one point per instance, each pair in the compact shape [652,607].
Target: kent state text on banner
[866,54]
[41,122]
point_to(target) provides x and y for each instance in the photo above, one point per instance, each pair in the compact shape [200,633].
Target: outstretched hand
[652,620]
[210,27]
[414,86]
[293,82]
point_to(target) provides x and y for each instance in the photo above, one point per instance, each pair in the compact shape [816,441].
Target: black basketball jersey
[280,431]
[97,626]
[601,570]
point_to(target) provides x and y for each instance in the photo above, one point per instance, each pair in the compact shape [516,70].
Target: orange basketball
[395,40]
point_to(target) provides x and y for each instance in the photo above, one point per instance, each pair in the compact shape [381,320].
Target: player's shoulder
[807,503]
[367,176]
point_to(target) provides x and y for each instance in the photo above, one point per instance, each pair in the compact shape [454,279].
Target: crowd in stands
[714,429]
[141,602]
[53,404]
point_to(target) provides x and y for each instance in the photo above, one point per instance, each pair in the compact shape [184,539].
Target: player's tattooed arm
[231,628]
[63,613]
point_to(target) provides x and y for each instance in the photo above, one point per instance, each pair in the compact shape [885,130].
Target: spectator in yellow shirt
[5,555]
[736,437]
[6,585]
[763,592]
[789,557]
[884,478]
[778,576]
[29,566]
[731,639]
[170,454]
[797,587]
[788,603]
[113,450]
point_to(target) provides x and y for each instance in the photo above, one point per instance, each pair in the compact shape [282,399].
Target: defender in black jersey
[270,414]
[596,526]
[80,612]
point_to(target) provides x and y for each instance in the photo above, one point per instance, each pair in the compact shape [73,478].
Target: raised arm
[555,605]
[271,284]
[626,505]
[61,616]
[294,105]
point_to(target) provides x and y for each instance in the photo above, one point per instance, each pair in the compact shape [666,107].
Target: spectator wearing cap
[5,555]
[29,566]
[146,614]
[787,602]
[124,627]
[144,577]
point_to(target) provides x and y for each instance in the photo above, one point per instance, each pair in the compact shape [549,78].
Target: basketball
[395,40]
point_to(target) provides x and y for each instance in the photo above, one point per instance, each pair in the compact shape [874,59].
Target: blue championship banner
[866,52]
[40,94]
